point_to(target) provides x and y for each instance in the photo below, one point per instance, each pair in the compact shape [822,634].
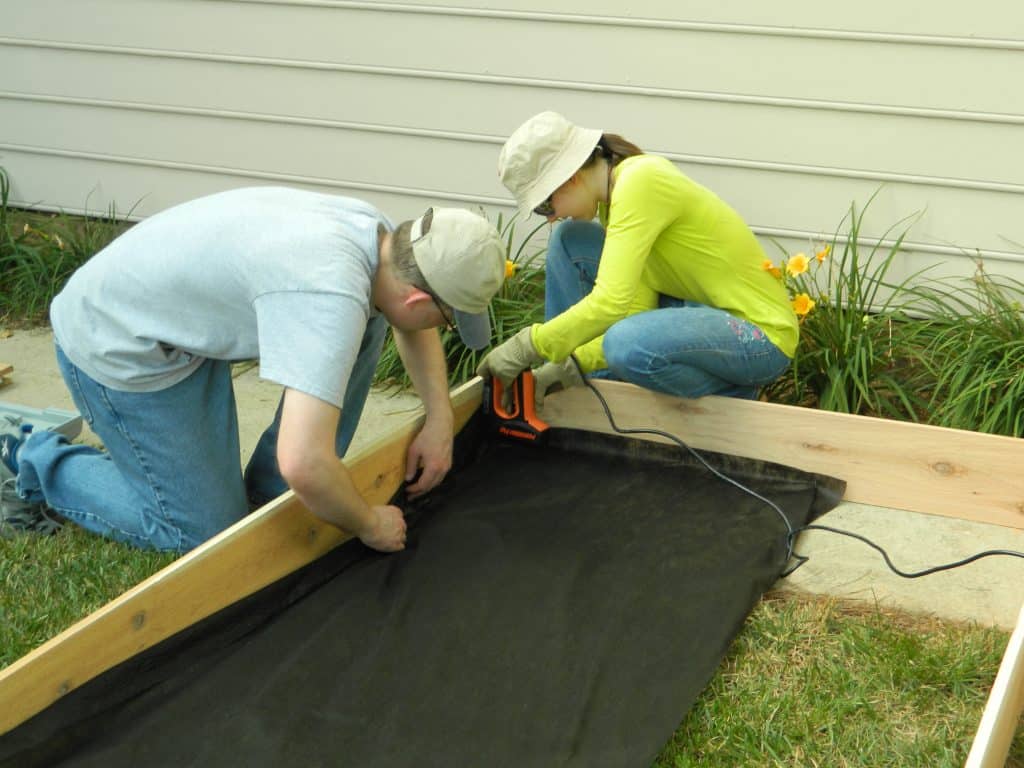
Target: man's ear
[416,295]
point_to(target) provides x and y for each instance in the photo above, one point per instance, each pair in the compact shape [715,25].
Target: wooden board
[892,464]
[1002,711]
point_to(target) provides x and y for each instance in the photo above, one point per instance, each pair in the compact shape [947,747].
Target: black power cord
[791,532]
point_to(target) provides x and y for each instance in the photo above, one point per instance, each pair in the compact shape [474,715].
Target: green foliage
[977,357]
[39,251]
[816,682]
[519,303]
[857,350]
[49,582]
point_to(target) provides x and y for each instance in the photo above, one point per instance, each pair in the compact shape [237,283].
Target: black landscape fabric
[556,605]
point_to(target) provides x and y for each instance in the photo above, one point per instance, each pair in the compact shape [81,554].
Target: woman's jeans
[171,475]
[682,348]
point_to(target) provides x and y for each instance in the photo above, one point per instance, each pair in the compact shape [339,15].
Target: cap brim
[572,158]
[474,329]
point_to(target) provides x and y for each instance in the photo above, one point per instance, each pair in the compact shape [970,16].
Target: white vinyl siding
[789,110]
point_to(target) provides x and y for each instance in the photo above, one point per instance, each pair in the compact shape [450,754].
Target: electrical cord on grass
[791,532]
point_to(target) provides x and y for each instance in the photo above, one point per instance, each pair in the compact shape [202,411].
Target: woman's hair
[613,148]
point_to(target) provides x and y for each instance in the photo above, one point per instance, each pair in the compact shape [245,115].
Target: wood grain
[894,464]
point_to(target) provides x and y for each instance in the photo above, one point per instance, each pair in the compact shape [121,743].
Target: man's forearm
[331,495]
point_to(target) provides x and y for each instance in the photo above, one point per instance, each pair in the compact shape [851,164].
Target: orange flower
[510,268]
[802,304]
[768,266]
[823,253]
[797,264]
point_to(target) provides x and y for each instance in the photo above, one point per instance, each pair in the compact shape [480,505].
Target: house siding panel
[790,111]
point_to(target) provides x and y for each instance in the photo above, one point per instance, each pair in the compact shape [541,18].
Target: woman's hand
[506,361]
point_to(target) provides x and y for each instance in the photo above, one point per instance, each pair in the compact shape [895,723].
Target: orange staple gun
[519,421]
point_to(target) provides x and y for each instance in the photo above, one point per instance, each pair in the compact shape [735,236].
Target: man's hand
[431,451]
[387,534]
[511,358]
[550,375]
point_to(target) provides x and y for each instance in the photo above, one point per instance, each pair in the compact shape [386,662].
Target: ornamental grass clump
[39,251]
[976,355]
[855,342]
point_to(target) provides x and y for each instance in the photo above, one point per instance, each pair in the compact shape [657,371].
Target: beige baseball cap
[541,156]
[462,259]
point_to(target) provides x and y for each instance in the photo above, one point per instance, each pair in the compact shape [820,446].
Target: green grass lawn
[47,583]
[808,682]
[818,682]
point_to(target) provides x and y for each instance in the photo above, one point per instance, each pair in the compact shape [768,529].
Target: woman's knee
[621,350]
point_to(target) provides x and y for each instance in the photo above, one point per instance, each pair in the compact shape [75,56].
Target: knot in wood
[823,447]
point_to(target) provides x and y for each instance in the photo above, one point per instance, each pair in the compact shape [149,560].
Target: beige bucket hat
[541,156]
[462,258]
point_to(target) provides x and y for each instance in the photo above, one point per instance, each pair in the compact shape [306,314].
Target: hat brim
[474,328]
[573,156]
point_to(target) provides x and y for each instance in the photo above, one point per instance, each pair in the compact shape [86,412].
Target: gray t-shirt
[280,274]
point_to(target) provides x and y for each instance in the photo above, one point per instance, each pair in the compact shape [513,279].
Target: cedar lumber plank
[1002,711]
[895,464]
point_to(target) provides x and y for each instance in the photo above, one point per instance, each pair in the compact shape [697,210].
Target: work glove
[555,376]
[507,360]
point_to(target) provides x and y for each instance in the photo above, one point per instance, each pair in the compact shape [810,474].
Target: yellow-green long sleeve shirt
[666,234]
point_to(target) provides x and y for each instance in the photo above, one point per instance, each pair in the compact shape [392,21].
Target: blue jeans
[682,348]
[171,475]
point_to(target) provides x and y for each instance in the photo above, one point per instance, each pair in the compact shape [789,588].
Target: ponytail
[617,148]
[614,149]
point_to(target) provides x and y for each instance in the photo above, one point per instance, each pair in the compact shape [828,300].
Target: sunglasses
[449,319]
[546,208]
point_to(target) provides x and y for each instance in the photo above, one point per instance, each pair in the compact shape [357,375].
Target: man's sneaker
[9,445]
[16,514]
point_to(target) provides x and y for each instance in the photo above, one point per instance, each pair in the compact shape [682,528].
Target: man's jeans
[171,475]
[682,348]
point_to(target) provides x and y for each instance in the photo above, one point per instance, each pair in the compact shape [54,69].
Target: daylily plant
[792,267]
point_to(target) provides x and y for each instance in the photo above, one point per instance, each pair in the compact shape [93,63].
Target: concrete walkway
[988,592]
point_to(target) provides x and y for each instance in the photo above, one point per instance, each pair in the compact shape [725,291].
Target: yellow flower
[823,253]
[802,304]
[768,266]
[510,268]
[797,264]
